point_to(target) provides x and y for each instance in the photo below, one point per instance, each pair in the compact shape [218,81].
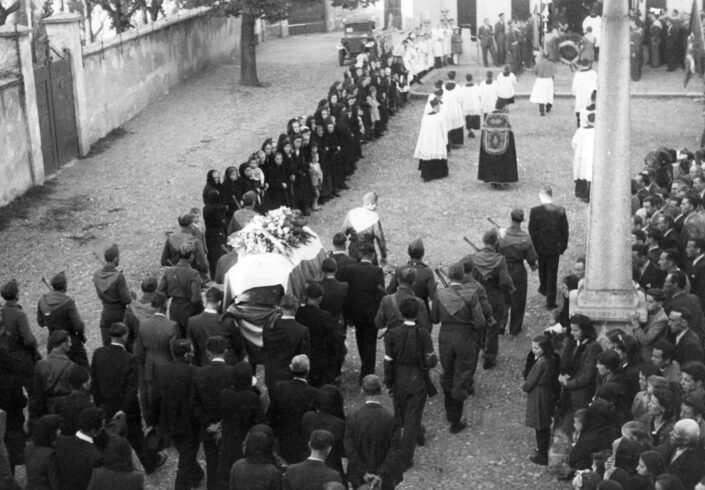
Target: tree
[352,4]
[5,12]
[120,12]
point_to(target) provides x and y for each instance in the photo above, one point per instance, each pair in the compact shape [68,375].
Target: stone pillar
[16,39]
[64,33]
[607,293]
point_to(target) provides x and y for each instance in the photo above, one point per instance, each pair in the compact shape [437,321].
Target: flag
[695,52]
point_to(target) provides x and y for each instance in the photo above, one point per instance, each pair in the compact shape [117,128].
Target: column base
[607,306]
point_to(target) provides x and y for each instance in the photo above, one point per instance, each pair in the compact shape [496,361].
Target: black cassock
[498,157]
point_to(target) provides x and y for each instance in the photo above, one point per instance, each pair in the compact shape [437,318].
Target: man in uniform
[461,319]
[172,247]
[389,314]
[182,284]
[408,357]
[424,286]
[548,228]
[242,217]
[491,271]
[515,244]
[57,311]
[111,286]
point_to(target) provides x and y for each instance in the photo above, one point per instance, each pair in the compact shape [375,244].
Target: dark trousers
[454,408]
[548,275]
[517,306]
[543,441]
[210,449]
[544,108]
[490,48]
[577,118]
[180,310]
[408,411]
[366,335]
[112,313]
[188,472]
[458,360]
[136,438]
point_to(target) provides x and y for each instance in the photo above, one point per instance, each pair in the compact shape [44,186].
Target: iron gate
[57,113]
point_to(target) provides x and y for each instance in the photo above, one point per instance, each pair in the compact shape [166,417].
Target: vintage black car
[358,38]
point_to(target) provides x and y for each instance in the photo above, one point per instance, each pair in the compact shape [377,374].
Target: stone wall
[126,74]
[15,170]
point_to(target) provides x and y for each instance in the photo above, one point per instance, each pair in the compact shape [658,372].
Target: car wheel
[341,57]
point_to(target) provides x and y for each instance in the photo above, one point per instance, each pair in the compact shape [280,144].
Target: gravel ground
[136,183]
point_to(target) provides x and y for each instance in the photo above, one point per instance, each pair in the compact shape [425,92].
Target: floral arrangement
[279,231]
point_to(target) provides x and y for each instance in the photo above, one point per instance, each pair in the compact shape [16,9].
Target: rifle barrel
[467,240]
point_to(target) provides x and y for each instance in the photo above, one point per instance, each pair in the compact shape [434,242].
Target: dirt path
[132,192]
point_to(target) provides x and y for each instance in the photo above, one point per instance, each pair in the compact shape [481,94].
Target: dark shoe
[488,364]
[551,306]
[548,108]
[542,114]
[161,461]
[344,186]
[539,460]
[457,427]
[471,391]
[421,436]
[542,292]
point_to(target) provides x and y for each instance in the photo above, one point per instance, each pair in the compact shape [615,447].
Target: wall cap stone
[62,18]
[10,31]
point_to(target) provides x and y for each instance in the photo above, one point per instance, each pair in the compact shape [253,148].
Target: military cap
[56,338]
[59,281]
[517,215]
[186,220]
[249,198]
[416,248]
[111,253]
[149,285]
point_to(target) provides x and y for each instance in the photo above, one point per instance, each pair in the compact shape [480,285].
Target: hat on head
[186,220]
[111,253]
[186,249]
[249,198]
[416,248]
[149,285]
[517,215]
[56,338]
[59,281]
[118,329]
[300,364]
[10,289]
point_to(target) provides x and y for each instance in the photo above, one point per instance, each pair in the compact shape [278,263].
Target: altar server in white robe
[583,155]
[452,106]
[489,93]
[431,146]
[471,102]
[584,83]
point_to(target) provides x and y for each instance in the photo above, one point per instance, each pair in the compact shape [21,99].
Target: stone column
[607,294]
[16,39]
[64,33]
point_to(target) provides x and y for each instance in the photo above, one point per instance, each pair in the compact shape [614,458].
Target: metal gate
[57,113]
[307,17]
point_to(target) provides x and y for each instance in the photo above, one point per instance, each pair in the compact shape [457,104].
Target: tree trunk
[248,63]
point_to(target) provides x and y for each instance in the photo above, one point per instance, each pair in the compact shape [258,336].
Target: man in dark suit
[677,298]
[287,338]
[685,456]
[77,455]
[487,42]
[653,238]
[71,405]
[114,389]
[366,282]
[324,341]
[289,401]
[669,235]
[424,286]
[209,324]
[548,228]
[689,347]
[208,382]
[650,274]
[313,472]
[339,254]
[153,345]
[695,250]
[335,294]
[372,440]
[500,38]
[169,412]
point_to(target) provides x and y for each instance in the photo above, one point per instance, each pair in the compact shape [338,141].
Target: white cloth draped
[433,138]
[542,92]
[584,83]
[583,153]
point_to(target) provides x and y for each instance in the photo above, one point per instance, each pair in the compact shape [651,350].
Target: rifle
[493,222]
[46,283]
[475,247]
[441,275]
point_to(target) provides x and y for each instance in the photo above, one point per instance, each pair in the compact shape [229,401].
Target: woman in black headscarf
[39,456]
[231,190]
[213,183]
[257,470]
[599,430]
[242,409]
[117,471]
[215,217]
